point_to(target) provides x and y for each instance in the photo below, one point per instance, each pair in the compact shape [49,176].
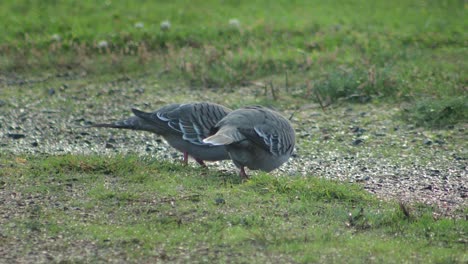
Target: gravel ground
[366,144]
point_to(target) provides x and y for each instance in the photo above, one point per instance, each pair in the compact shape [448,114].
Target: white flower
[102,44]
[234,22]
[165,25]
[139,25]
[56,37]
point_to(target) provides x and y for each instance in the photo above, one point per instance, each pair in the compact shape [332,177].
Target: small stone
[109,146]
[103,44]
[358,130]
[355,129]
[429,187]
[427,142]
[15,135]
[219,201]
[2,103]
[51,91]
[357,141]
[140,90]
[362,179]
[35,144]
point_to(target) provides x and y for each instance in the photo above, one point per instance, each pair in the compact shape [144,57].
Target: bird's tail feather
[218,140]
[133,123]
[143,115]
[114,125]
[226,135]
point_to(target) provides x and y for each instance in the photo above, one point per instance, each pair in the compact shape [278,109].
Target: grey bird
[255,137]
[183,126]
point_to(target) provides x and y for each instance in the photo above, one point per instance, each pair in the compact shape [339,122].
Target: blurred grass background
[403,51]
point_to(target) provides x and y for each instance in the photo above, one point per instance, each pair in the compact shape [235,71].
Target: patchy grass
[438,113]
[352,50]
[90,208]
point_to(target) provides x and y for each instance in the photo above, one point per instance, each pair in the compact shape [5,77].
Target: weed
[437,113]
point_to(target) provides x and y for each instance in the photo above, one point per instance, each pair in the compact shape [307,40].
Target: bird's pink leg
[199,161]
[242,173]
[185,161]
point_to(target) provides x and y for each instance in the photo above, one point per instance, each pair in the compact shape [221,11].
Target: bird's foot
[201,162]
[242,174]
[185,160]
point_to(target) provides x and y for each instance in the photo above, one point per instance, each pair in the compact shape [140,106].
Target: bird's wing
[195,120]
[273,134]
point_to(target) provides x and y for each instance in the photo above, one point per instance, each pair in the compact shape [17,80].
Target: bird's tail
[218,140]
[133,123]
[141,114]
[224,136]
[112,125]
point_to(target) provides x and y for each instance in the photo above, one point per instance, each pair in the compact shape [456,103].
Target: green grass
[438,113]
[149,210]
[354,50]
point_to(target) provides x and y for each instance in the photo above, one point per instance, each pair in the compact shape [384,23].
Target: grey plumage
[255,137]
[183,126]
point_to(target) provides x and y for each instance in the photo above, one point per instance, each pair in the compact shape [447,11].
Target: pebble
[365,178]
[358,130]
[219,201]
[357,141]
[427,142]
[16,136]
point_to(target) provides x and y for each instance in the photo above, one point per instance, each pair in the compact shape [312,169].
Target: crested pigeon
[255,137]
[183,126]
